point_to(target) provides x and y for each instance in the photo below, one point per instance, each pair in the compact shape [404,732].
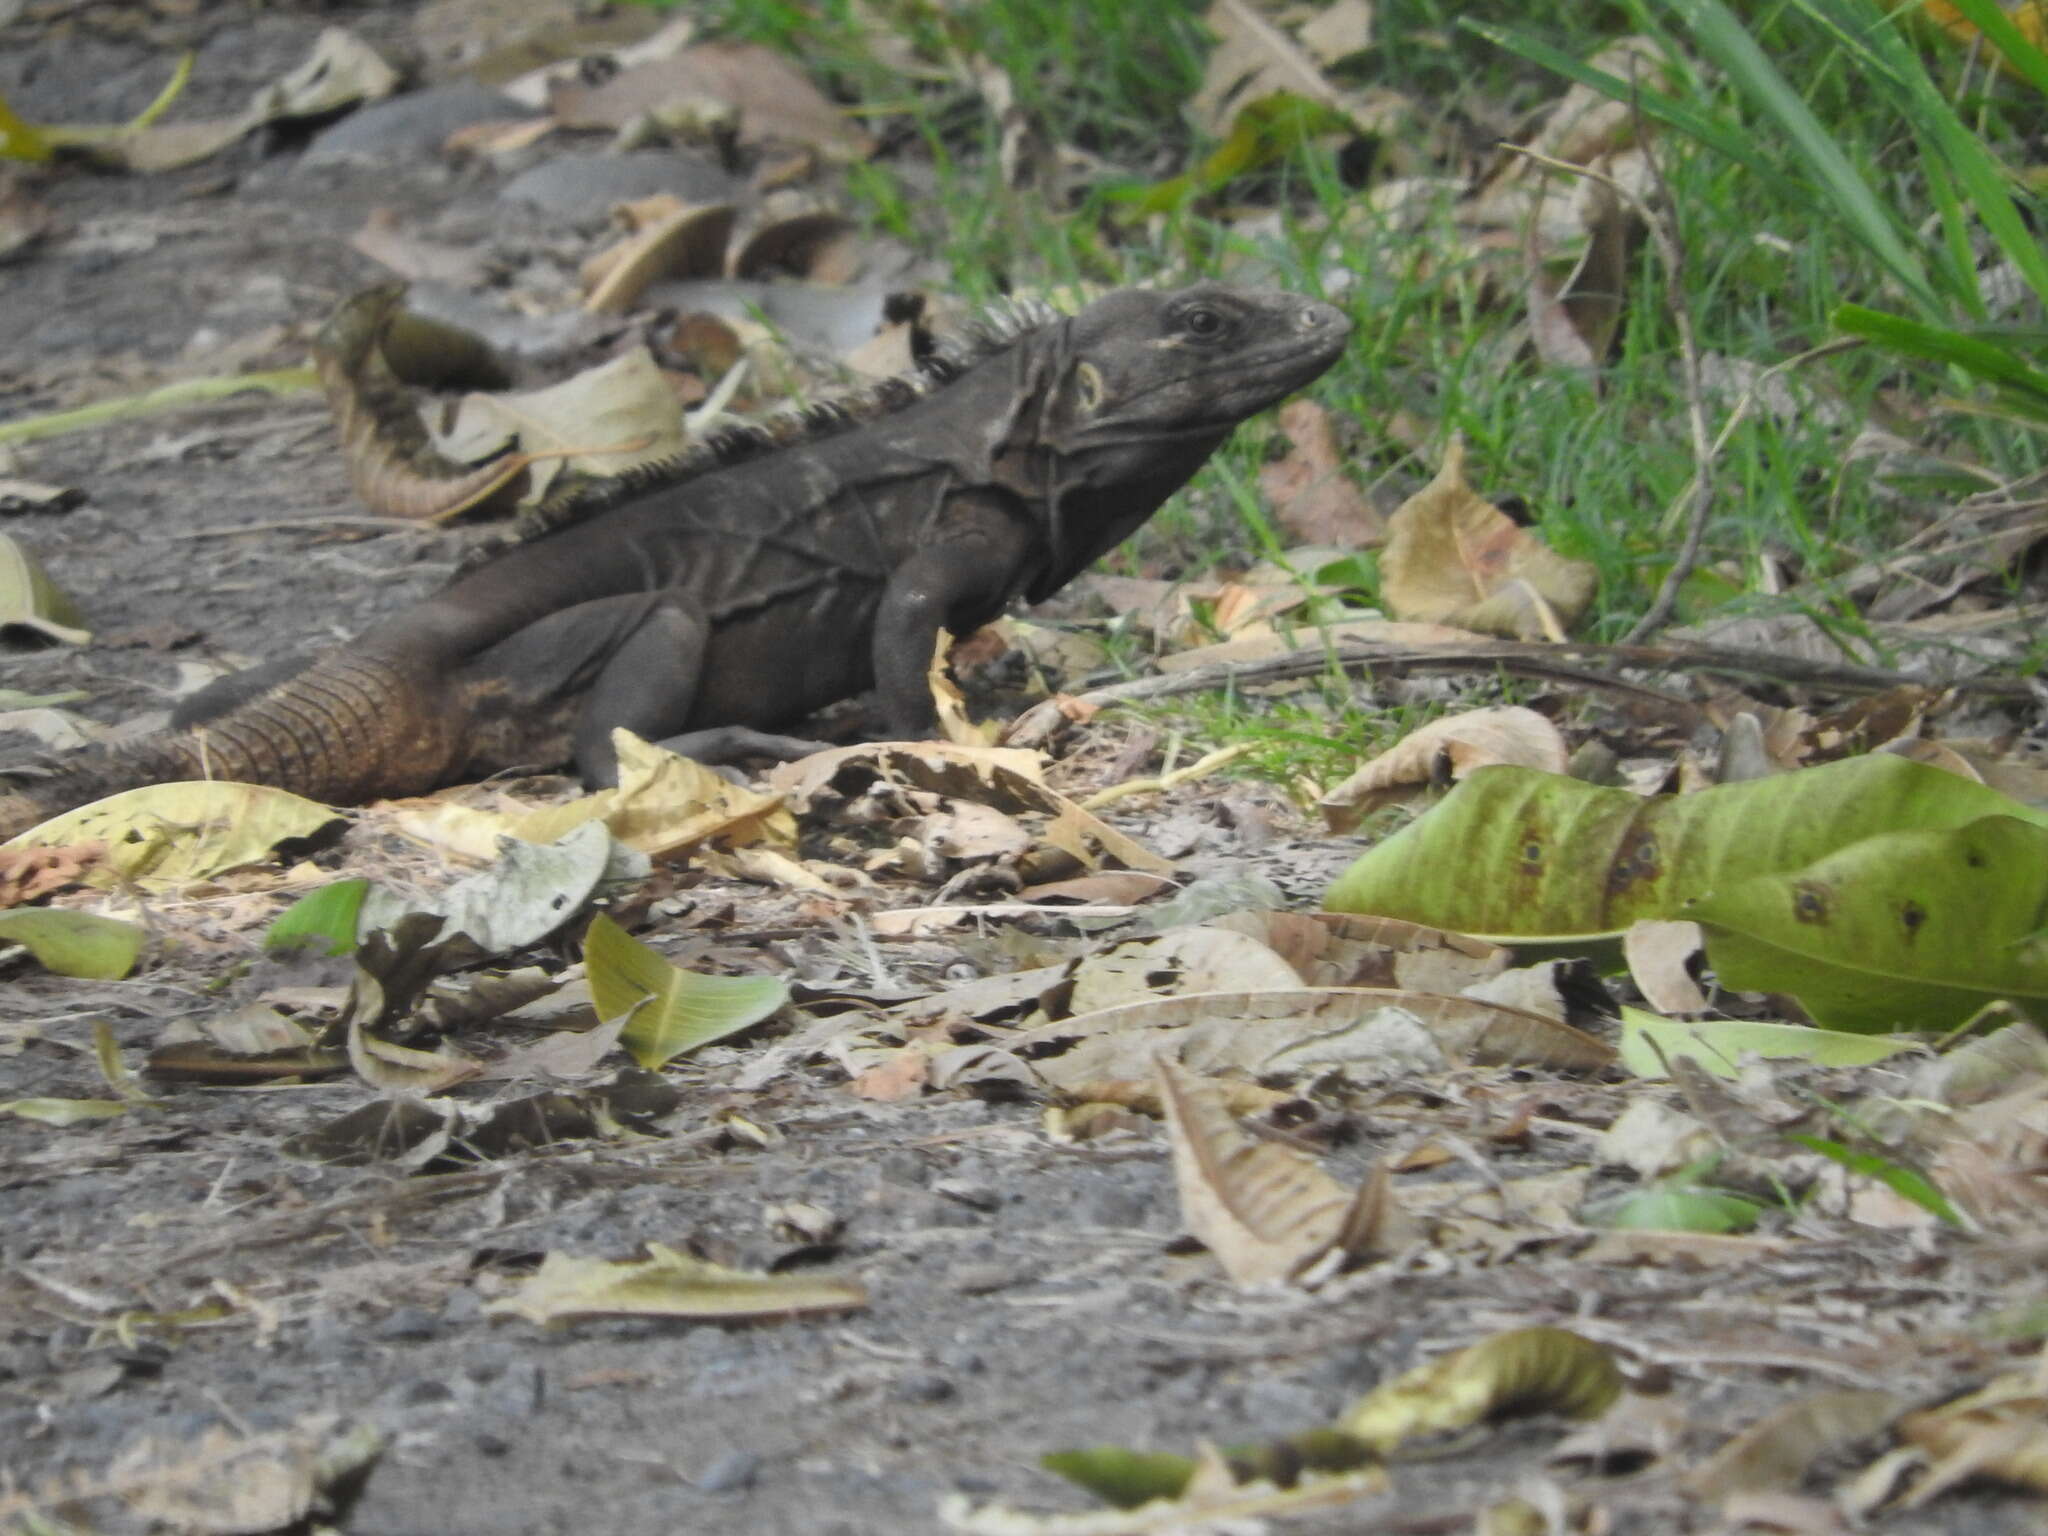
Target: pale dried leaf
[1452,557]
[1442,752]
[1267,1212]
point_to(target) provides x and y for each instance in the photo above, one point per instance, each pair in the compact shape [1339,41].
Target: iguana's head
[1139,388]
[1140,366]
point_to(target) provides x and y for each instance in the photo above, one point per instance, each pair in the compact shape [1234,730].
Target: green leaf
[1517,854]
[74,943]
[323,921]
[1902,1181]
[63,1111]
[20,140]
[1669,1206]
[1649,1042]
[2027,60]
[1120,1477]
[1908,930]
[1995,362]
[673,1010]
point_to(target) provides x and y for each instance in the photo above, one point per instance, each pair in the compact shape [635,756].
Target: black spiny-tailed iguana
[751,592]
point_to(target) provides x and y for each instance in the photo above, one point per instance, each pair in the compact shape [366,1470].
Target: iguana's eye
[1202,321]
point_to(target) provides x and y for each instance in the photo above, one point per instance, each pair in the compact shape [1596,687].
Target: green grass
[1815,165]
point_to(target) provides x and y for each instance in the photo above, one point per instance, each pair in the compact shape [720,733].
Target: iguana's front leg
[959,581]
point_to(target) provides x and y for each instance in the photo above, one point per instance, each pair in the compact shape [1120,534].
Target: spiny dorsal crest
[994,329]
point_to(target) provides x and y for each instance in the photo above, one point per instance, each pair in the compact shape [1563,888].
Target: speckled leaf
[1511,853]
[1912,930]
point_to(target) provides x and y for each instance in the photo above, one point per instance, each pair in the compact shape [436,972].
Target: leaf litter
[469,1127]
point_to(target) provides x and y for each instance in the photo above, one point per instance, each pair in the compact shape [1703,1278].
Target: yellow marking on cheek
[1089,378]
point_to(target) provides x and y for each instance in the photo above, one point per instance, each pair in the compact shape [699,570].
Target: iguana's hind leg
[646,685]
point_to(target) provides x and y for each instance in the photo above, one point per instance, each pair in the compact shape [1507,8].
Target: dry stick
[1524,657]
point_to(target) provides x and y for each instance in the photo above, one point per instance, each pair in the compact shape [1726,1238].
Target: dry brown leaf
[665,804]
[1776,1451]
[1338,30]
[401,1069]
[1090,839]
[1268,1213]
[228,1484]
[1370,1032]
[792,235]
[776,101]
[31,872]
[2000,1431]
[1009,778]
[392,463]
[1348,949]
[1453,557]
[385,241]
[1573,323]
[1440,753]
[1254,58]
[1310,494]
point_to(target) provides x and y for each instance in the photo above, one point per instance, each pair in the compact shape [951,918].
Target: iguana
[752,590]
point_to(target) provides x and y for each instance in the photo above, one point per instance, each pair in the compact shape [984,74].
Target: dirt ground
[1025,1295]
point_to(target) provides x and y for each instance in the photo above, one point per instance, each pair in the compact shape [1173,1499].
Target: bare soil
[1025,1295]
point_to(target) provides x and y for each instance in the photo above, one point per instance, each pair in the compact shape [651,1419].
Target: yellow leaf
[165,835]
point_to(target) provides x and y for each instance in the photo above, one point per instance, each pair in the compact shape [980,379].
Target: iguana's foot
[729,743]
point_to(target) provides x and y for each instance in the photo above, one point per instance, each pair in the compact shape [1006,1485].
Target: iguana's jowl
[725,597]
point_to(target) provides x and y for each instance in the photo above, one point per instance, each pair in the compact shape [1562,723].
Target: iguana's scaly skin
[751,591]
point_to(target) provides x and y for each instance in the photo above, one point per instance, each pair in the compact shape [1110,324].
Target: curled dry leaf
[1268,1213]
[392,463]
[34,608]
[1442,752]
[793,235]
[601,422]
[1452,557]
[1524,1371]
[678,240]
[1659,954]
[2001,1432]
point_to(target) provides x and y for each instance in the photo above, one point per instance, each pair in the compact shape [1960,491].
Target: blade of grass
[1979,358]
[1865,216]
[2027,60]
